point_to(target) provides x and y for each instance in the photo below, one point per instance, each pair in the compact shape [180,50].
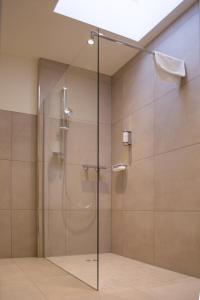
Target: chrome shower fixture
[66,111]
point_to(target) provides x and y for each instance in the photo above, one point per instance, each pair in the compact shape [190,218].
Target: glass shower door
[69,121]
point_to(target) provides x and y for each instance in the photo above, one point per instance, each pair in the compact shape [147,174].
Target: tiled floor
[121,279]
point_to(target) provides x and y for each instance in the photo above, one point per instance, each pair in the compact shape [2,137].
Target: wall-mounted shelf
[119,167]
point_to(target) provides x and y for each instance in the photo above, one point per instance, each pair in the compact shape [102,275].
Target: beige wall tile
[5,184]
[82,143]
[139,192]
[5,233]
[104,231]
[82,232]
[23,233]
[55,198]
[119,187]
[105,189]
[53,138]
[23,185]
[105,101]
[23,137]
[163,117]
[105,145]
[177,180]
[81,187]
[136,94]
[181,40]
[117,99]
[143,133]
[178,241]
[82,94]
[56,233]
[5,134]
[138,234]
[121,153]
[117,232]
[177,118]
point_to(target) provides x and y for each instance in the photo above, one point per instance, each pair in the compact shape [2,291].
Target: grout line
[166,152]
[177,149]
[155,99]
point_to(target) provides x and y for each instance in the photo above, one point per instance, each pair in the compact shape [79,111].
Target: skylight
[129,18]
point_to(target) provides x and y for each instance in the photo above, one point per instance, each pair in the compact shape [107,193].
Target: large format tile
[139,191]
[138,234]
[56,233]
[55,188]
[81,187]
[104,144]
[105,101]
[62,287]
[121,153]
[120,279]
[116,98]
[80,191]
[119,188]
[23,233]
[105,189]
[5,184]
[82,94]
[5,233]
[143,133]
[22,292]
[104,231]
[178,241]
[54,138]
[81,143]
[11,275]
[82,232]
[23,185]
[187,289]
[134,188]
[38,268]
[23,137]
[177,180]
[181,40]
[136,94]
[117,233]
[177,118]
[5,134]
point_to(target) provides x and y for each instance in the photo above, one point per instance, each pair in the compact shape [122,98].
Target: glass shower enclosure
[68,164]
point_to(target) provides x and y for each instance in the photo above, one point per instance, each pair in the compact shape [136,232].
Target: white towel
[169,68]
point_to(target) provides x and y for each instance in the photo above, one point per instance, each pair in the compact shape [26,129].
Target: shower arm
[94,33]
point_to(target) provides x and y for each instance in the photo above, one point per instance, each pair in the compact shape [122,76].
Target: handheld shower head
[68,112]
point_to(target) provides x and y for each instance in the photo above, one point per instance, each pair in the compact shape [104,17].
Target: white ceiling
[30,28]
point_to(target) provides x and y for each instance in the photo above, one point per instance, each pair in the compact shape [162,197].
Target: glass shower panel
[70,169]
